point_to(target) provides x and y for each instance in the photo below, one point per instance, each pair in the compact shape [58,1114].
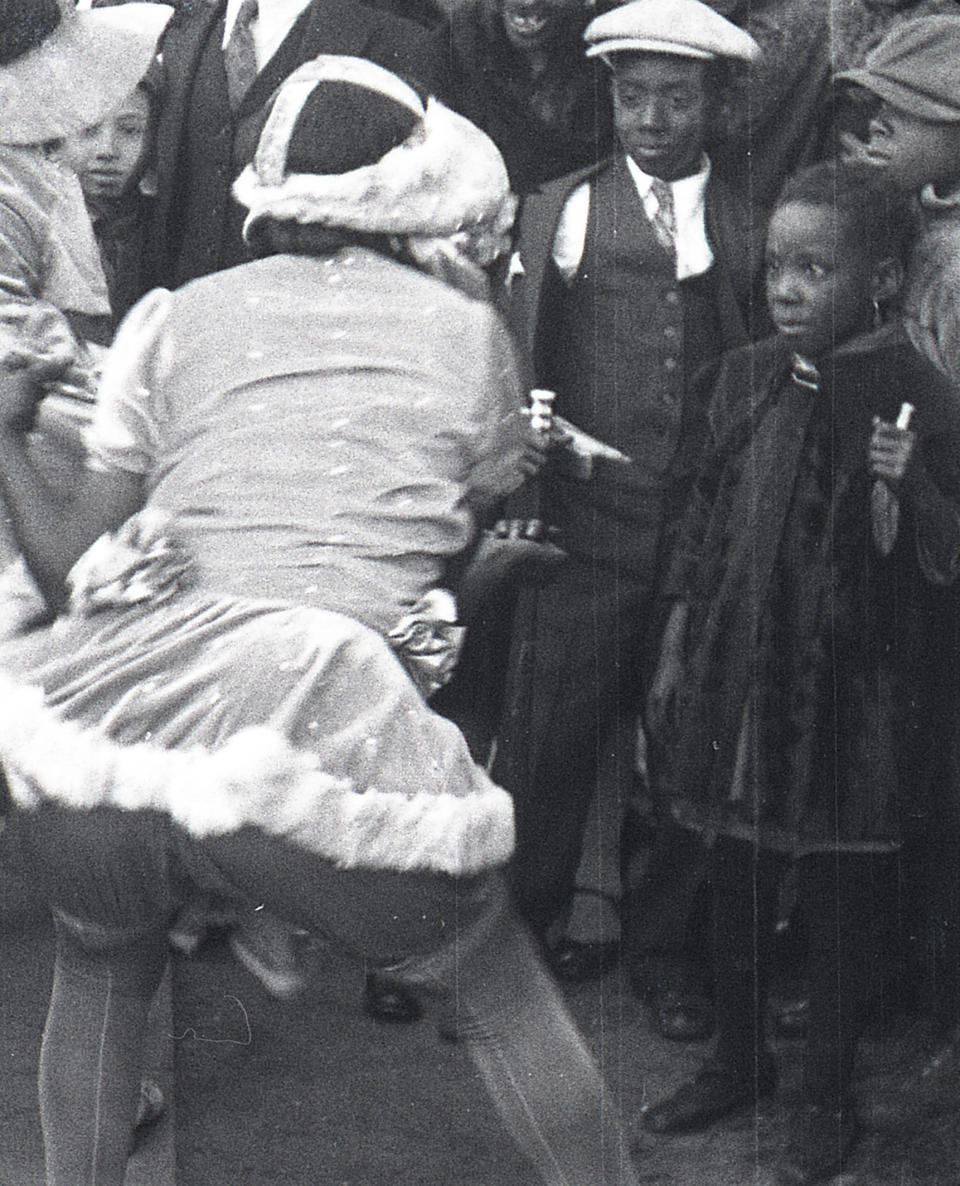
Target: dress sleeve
[499,427]
[131,401]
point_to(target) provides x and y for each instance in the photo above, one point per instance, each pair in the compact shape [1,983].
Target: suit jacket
[324,27]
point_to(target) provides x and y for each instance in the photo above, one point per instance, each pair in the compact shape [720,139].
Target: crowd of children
[749,644]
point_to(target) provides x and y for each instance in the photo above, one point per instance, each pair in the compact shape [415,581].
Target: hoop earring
[877,314]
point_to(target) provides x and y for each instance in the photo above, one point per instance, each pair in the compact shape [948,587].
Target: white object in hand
[541,410]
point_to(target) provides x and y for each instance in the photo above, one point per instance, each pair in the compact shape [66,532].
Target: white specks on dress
[253,301]
[256,407]
[255,355]
[342,422]
[337,471]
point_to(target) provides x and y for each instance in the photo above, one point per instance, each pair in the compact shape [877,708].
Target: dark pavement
[315,1093]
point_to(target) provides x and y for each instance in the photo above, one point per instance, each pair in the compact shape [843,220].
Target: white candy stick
[903,419]
[541,410]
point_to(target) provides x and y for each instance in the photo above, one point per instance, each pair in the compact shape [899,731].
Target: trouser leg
[847,900]
[91,1057]
[745,902]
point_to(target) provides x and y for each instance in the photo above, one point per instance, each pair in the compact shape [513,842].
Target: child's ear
[888,279]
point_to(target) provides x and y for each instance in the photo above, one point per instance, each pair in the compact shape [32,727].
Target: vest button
[673,297]
[670,332]
[669,364]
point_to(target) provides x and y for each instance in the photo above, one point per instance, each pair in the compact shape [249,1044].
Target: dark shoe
[573,961]
[389,1000]
[717,1091]
[681,1008]
[821,1137]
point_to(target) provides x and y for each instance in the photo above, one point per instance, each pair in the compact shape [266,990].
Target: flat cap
[916,68]
[686,28]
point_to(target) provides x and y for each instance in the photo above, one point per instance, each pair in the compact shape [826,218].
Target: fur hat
[63,69]
[375,160]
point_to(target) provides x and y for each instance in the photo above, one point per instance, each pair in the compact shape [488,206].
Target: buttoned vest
[627,338]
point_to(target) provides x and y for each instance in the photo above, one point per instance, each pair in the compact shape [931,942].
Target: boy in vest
[628,278]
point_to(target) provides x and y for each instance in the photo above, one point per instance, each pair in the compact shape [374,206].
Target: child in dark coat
[807,589]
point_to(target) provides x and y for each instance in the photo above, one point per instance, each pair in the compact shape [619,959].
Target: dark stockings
[847,901]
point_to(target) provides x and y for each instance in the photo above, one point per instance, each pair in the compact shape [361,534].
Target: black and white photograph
[480,593]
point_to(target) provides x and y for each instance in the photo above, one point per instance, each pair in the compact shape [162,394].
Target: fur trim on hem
[255,778]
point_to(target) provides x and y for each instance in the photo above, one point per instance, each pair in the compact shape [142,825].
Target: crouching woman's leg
[91,1058]
[104,872]
[541,1078]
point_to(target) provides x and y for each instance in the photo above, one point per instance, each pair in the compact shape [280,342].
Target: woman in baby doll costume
[286,454]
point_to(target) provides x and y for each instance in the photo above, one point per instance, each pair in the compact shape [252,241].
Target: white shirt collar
[687,188]
[275,20]
[694,255]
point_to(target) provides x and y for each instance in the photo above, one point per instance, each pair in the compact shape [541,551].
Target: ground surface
[317,1094]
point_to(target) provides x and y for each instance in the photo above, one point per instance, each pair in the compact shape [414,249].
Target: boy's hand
[890,452]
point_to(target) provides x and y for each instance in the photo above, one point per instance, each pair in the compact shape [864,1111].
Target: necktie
[239,56]
[665,218]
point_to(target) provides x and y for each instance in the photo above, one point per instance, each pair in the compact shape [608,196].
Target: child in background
[914,145]
[111,159]
[806,632]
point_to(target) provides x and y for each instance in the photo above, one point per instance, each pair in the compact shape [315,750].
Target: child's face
[912,152]
[819,288]
[660,112]
[108,157]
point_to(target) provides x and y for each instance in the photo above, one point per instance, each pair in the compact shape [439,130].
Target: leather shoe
[574,961]
[716,1091]
[821,1136]
[388,1000]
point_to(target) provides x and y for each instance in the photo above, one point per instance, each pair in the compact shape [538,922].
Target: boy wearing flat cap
[914,144]
[629,276]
